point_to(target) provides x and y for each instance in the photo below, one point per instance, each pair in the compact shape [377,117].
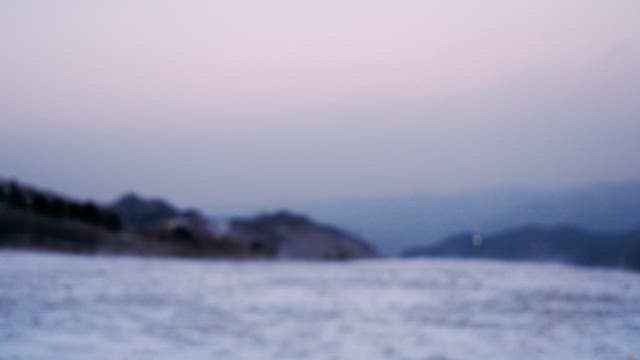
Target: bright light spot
[476,240]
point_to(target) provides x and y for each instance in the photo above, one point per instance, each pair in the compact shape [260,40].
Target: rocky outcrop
[291,236]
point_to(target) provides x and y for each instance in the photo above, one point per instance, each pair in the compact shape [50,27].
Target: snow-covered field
[55,306]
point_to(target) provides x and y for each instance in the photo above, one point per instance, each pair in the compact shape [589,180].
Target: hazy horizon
[281,103]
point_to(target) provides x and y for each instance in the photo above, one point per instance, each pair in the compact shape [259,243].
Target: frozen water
[55,306]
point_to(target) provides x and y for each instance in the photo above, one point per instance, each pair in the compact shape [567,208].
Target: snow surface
[55,306]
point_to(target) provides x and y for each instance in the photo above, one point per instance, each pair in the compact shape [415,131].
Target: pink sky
[392,86]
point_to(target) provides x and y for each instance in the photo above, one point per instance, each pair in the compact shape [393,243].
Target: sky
[273,103]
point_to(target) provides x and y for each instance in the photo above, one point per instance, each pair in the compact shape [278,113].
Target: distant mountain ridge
[396,223]
[537,243]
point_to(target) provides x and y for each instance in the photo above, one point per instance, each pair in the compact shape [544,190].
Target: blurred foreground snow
[55,306]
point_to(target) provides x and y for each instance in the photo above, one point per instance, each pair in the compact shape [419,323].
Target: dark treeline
[35,219]
[17,197]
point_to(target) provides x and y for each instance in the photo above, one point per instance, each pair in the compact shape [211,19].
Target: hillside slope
[287,235]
